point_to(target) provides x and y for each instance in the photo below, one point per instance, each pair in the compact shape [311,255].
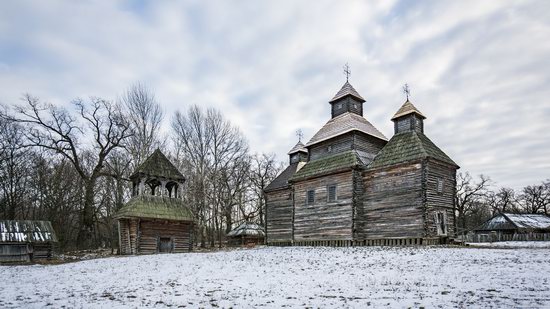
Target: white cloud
[478,70]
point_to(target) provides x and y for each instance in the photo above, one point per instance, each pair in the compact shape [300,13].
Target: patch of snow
[273,277]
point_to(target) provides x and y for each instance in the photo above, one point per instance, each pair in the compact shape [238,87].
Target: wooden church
[350,185]
[155,219]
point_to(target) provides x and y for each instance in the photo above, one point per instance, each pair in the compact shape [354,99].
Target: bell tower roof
[158,165]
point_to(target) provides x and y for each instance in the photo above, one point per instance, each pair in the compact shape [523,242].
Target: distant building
[26,240]
[350,185]
[155,219]
[247,233]
[506,226]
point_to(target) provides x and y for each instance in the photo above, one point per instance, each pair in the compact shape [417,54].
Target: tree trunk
[86,231]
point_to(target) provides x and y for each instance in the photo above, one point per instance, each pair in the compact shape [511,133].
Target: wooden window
[331,193]
[440,219]
[310,198]
[439,185]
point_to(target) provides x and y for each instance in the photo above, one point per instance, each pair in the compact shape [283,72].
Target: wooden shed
[247,233]
[26,240]
[507,226]
[155,219]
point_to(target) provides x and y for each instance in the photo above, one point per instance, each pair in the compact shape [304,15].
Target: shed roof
[158,165]
[407,108]
[508,221]
[299,147]
[247,229]
[409,146]
[27,231]
[155,207]
[529,221]
[330,164]
[347,89]
[344,123]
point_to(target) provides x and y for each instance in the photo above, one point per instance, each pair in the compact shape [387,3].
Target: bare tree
[192,139]
[85,139]
[214,153]
[469,194]
[14,169]
[535,198]
[144,115]
[503,200]
[264,170]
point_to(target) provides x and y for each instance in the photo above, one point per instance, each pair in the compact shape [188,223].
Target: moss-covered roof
[158,165]
[409,146]
[155,207]
[328,165]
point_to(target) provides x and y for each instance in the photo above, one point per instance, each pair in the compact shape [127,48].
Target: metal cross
[347,71]
[300,134]
[407,90]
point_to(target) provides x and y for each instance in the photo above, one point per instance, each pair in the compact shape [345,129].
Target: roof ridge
[342,124]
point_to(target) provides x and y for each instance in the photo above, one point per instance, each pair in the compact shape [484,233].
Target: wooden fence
[494,236]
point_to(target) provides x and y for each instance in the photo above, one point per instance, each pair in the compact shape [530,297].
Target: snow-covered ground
[290,277]
[512,244]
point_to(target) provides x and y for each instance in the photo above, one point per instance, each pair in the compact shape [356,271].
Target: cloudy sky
[479,70]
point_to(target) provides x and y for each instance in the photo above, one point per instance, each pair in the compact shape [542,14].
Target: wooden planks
[279,215]
[323,219]
[141,236]
[439,201]
[392,203]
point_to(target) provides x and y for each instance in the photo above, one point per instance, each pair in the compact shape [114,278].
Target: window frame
[335,186]
[308,203]
[440,185]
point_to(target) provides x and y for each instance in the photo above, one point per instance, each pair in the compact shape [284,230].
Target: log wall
[339,144]
[392,203]
[279,216]
[367,143]
[141,236]
[324,220]
[152,230]
[440,201]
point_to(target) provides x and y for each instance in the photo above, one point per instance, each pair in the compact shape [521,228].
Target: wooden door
[165,245]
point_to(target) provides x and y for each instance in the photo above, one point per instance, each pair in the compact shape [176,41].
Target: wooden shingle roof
[31,231]
[247,229]
[158,165]
[347,89]
[328,165]
[344,123]
[281,181]
[508,221]
[409,146]
[299,147]
[155,207]
[407,108]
